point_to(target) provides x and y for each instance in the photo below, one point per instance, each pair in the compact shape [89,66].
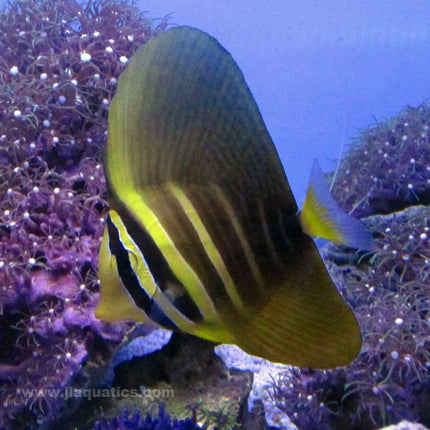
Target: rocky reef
[386,177]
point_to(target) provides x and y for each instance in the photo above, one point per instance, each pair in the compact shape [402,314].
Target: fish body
[204,234]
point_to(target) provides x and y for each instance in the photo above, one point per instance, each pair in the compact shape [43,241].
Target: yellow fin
[115,303]
[322,217]
[305,322]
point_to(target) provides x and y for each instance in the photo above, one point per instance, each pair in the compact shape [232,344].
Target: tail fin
[321,216]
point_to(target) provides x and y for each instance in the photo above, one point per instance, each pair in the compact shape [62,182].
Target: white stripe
[145,278]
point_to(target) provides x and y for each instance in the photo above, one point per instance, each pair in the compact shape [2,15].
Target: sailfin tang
[205,213]
[322,217]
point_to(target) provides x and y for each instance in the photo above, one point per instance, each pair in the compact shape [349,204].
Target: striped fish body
[203,234]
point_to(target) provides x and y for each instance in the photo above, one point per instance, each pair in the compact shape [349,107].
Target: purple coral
[60,61]
[388,167]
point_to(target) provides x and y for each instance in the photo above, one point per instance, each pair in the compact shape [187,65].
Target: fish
[203,233]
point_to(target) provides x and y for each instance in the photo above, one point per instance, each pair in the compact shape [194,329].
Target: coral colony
[388,168]
[59,65]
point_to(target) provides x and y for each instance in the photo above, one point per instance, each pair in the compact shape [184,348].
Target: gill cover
[203,232]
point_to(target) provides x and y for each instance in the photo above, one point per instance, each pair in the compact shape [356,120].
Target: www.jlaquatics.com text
[93,393]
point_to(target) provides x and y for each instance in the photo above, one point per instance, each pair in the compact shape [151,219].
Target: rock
[265,373]
[138,347]
[189,379]
[405,425]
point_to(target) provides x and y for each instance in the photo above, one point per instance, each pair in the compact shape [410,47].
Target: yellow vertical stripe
[180,267]
[137,260]
[252,262]
[207,243]
[268,239]
[146,280]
